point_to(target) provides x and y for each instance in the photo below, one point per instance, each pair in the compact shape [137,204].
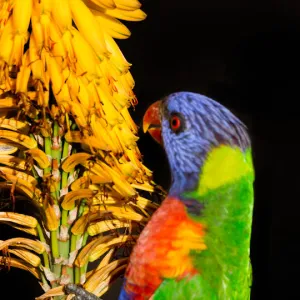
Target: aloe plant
[68,143]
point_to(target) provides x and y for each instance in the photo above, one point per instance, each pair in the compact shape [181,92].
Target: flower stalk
[68,145]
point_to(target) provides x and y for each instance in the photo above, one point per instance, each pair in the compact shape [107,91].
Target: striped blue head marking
[204,124]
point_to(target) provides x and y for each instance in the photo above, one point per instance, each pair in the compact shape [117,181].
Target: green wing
[186,289]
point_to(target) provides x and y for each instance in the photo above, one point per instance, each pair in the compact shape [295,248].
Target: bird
[197,243]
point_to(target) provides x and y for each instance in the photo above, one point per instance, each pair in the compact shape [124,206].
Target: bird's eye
[176,123]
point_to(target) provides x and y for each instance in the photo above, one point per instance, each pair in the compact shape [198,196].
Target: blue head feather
[205,124]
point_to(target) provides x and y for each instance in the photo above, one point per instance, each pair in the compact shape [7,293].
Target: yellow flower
[67,140]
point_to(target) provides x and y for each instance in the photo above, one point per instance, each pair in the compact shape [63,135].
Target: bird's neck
[182,183]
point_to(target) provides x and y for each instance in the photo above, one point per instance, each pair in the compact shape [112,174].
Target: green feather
[185,289]
[225,269]
[226,264]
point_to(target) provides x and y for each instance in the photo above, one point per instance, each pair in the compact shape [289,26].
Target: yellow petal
[75,159]
[28,230]
[29,244]
[15,125]
[8,103]
[106,225]
[18,174]
[27,256]
[99,276]
[57,291]
[18,263]
[20,219]
[70,198]
[85,181]
[120,212]
[143,186]
[52,220]
[21,139]
[98,248]
[83,256]
[8,147]
[108,4]
[112,26]
[32,193]
[40,157]
[80,225]
[14,162]
[134,15]
[128,4]
[105,261]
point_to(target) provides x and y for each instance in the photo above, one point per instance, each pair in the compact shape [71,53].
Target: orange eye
[175,123]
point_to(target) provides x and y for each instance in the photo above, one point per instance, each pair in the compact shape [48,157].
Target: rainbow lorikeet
[197,244]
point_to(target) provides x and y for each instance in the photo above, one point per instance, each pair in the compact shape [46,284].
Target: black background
[244,54]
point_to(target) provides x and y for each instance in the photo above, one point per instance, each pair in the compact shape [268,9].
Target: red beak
[151,121]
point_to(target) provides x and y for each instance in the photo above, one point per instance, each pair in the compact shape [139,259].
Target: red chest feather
[163,248]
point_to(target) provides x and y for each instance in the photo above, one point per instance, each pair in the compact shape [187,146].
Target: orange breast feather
[163,248]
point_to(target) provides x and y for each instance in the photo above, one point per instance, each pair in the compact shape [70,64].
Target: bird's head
[189,125]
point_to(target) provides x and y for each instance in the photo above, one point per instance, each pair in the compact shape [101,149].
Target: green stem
[57,271]
[56,145]
[55,129]
[81,207]
[44,280]
[56,156]
[54,244]
[55,254]
[64,218]
[67,246]
[42,239]
[35,174]
[77,275]
[64,179]
[64,183]
[73,242]
[64,248]
[48,145]
[54,197]
[70,272]
[74,239]
[48,152]
[73,126]
[83,269]
[85,237]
